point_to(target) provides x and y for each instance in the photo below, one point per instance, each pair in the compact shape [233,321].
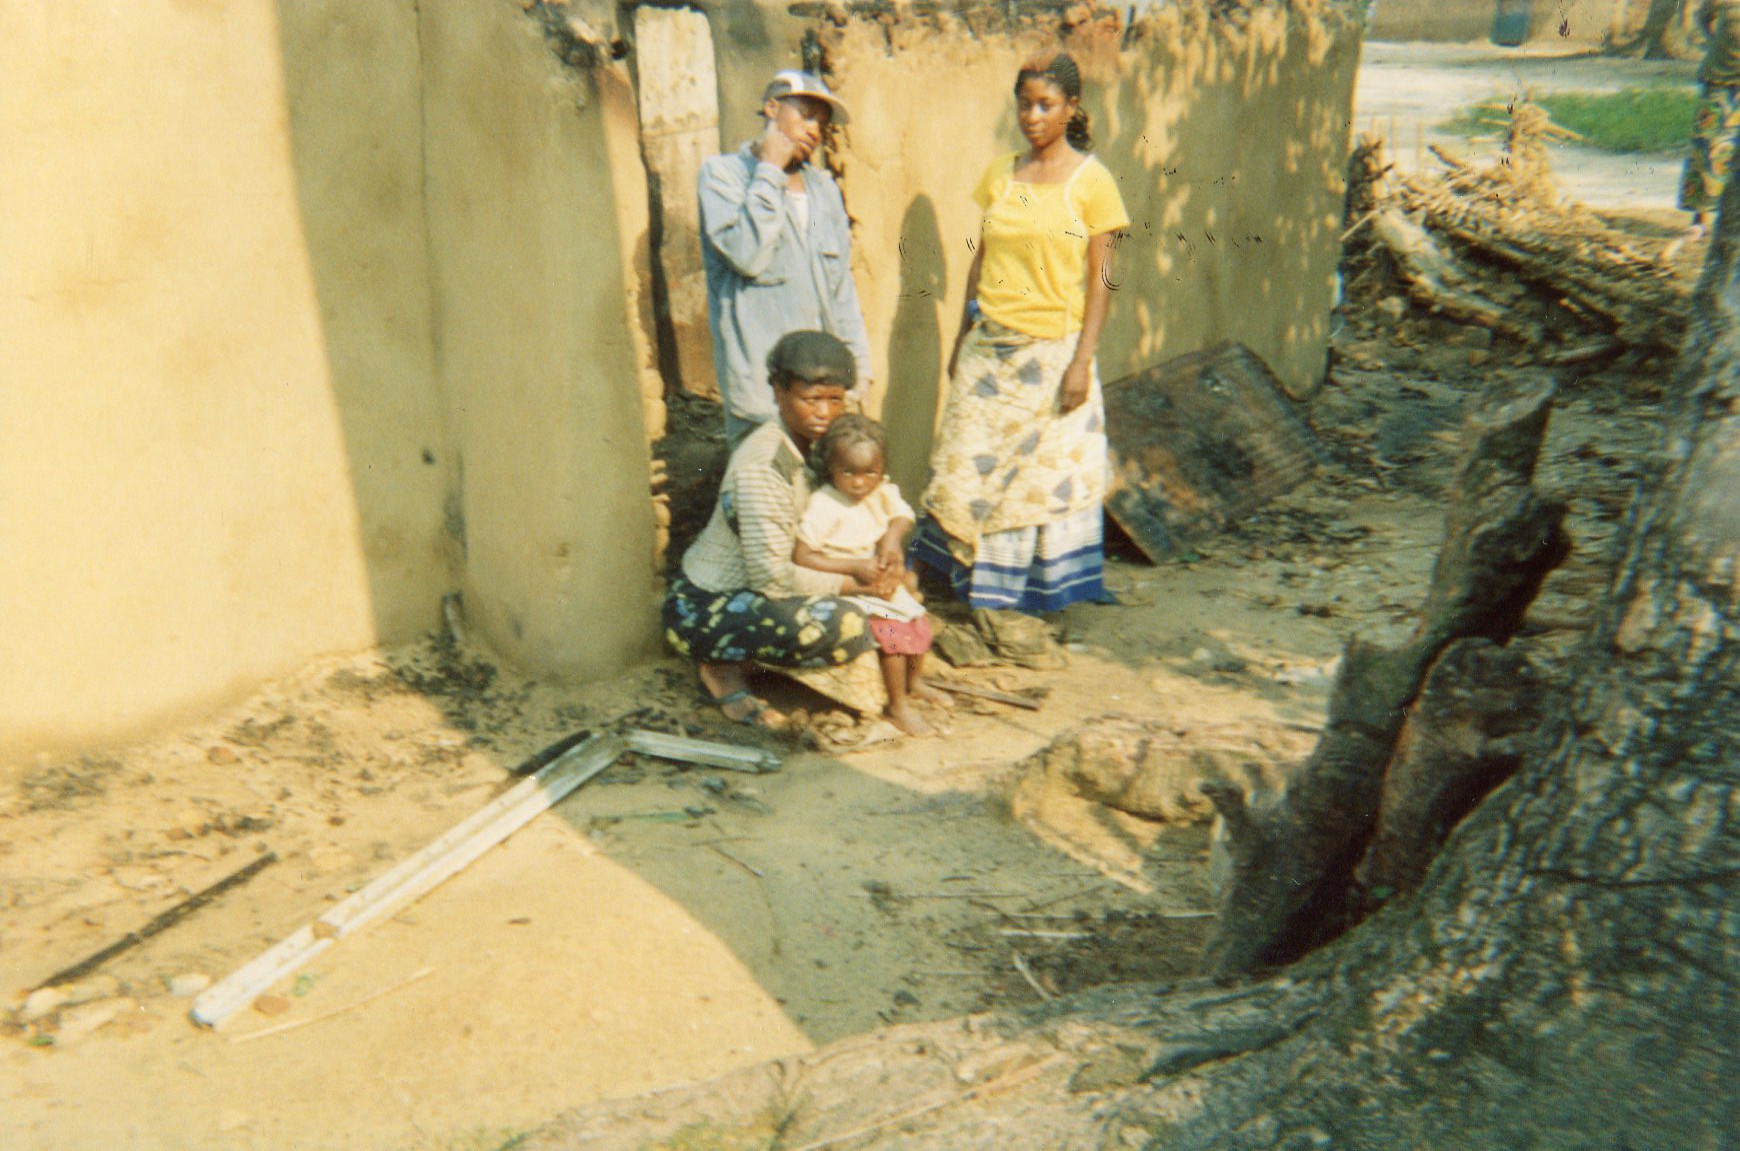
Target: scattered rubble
[1197,443]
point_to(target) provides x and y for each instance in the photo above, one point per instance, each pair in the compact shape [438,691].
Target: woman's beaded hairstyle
[849,431]
[1059,68]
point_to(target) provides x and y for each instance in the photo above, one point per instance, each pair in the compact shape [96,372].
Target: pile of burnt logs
[1496,245]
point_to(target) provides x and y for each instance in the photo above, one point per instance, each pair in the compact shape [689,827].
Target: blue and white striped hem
[1023,569]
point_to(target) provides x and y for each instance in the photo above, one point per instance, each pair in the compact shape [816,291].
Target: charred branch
[1438,283]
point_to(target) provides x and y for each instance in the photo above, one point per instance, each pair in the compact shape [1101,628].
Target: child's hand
[887,584]
[867,573]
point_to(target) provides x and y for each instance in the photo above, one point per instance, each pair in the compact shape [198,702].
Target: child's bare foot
[929,694]
[908,720]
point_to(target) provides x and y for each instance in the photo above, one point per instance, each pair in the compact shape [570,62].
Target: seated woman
[739,598]
[1013,511]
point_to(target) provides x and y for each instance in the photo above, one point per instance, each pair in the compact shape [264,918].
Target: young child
[845,530]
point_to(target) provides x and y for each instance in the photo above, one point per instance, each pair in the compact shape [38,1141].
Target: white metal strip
[702,751]
[411,878]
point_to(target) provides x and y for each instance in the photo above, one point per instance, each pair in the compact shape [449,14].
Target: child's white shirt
[839,529]
[842,530]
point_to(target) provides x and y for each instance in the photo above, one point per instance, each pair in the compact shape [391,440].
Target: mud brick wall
[318,312]
[537,208]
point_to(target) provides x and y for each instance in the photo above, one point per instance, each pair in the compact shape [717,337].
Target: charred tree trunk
[1565,977]
[1476,717]
[1294,853]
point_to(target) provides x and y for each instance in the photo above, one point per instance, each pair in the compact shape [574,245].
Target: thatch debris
[1497,246]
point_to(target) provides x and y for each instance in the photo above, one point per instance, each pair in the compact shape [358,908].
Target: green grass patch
[1654,119]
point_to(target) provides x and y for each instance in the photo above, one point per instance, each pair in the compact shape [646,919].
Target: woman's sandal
[756,716]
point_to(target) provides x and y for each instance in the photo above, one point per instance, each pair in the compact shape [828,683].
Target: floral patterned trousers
[740,625]
[1712,154]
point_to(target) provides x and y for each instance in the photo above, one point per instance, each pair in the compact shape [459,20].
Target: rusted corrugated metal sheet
[1198,442]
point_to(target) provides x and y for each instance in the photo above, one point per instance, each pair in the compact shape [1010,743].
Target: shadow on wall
[1227,134]
[1229,143]
[353,87]
[916,350]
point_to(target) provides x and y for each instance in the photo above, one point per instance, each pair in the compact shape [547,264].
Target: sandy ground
[673,923]
[669,922]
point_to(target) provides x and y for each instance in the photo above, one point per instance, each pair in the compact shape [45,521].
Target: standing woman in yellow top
[1013,511]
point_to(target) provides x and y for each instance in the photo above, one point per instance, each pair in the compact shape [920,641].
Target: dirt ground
[668,922]
[676,922]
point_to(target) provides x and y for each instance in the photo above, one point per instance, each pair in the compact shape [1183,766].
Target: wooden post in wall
[679,126]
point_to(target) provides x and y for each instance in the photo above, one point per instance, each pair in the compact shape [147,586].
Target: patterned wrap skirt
[741,625]
[1046,568]
[1013,512]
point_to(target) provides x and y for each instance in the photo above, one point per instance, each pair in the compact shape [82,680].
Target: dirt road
[1405,91]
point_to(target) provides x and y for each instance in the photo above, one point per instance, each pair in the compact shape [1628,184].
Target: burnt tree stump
[1294,852]
[1479,713]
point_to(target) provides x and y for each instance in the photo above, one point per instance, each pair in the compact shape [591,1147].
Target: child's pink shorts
[902,636]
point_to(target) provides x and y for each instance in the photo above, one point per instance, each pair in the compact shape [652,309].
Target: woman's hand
[1078,379]
[968,319]
[969,310]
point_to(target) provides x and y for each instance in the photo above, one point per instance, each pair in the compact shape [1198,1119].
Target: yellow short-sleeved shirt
[1032,276]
